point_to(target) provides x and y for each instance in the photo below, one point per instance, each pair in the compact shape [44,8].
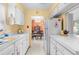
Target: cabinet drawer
[52,47]
[52,41]
[52,51]
[8,51]
[63,50]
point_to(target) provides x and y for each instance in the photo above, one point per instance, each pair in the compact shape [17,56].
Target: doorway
[37,47]
[37,27]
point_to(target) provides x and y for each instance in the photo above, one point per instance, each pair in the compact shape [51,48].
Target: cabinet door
[11,13]
[25,43]
[27,40]
[62,7]
[24,46]
[18,47]
[11,48]
[8,51]
[63,50]
[19,17]
[52,47]
[2,17]
[45,45]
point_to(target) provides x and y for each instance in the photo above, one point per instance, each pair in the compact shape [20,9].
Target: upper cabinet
[11,13]
[19,17]
[2,16]
[55,12]
[63,8]
[15,15]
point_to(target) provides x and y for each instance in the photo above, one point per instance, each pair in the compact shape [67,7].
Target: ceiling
[37,5]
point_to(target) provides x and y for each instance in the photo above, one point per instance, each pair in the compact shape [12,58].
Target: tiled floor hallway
[37,48]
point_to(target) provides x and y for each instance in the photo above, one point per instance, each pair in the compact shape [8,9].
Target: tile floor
[37,48]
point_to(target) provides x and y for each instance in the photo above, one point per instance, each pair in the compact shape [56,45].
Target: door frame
[33,17]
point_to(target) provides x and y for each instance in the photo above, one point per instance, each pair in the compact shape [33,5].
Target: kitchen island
[16,44]
[64,45]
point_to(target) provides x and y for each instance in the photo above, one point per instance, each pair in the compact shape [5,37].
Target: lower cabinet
[45,46]
[58,49]
[63,50]
[8,51]
[19,47]
[53,48]
[22,45]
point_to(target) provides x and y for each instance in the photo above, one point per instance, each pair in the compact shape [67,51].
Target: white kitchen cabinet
[62,50]
[62,7]
[15,15]
[27,39]
[53,48]
[16,47]
[25,44]
[8,51]
[19,17]
[58,49]
[2,17]
[11,50]
[45,45]
[11,13]
[59,9]
[22,44]
[19,47]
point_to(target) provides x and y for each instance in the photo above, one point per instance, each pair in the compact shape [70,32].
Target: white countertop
[71,42]
[8,43]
